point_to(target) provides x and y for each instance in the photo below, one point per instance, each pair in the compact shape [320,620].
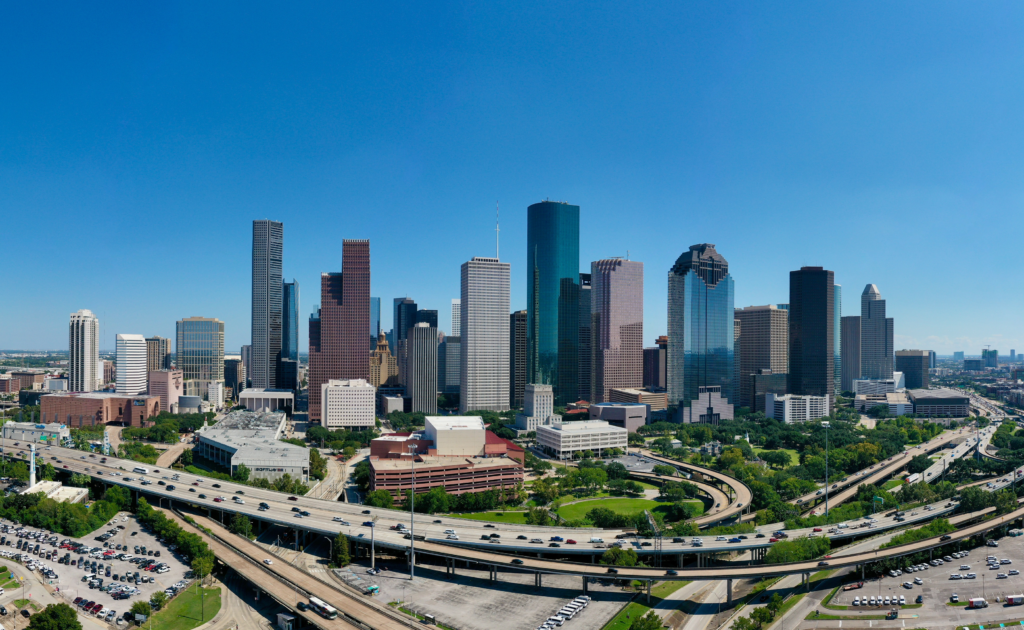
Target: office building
[234,376]
[266,400]
[267,302]
[933,359]
[421,385]
[851,352]
[374,322]
[616,326]
[700,331]
[709,407]
[55,384]
[215,395]
[914,365]
[517,358]
[654,400]
[9,385]
[427,316]
[958,356]
[628,416]
[78,409]
[450,357]
[766,382]
[246,362]
[29,380]
[837,316]
[876,335]
[940,402]
[791,408]
[974,365]
[484,363]
[84,352]
[811,332]
[655,364]
[879,386]
[563,441]
[167,386]
[552,297]
[456,317]
[200,348]
[131,364]
[348,404]
[764,345]
[538,408]
[404,317]
[337,334]
[254,439]
[990,358]
[158,354]
[737,331]
[288,374]
[290,323]
[109,370]
[54,433]
[585,337]
[383,366]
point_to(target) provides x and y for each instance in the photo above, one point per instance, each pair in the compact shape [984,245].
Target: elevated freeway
[741,494]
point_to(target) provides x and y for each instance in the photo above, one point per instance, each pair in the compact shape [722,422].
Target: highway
[946,459]
[742,494]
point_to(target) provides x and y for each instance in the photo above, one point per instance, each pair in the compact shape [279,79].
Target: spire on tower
[497,229]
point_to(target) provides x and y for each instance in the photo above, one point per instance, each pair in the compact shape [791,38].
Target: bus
[140,470]
[322,608]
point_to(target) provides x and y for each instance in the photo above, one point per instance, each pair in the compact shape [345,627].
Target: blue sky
[139,140]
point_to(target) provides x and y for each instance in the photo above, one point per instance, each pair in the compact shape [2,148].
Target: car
[612,570]
[918,581]
[367,523]
[816,530]
[759,536]
[1014,572]
[1000,576]
[364,511]
[268,561]
[570,541]
[216,485]
[554,545]
[484,537]
[734,540]
[557,539]
[516,561]
[302,606]
[822,564]
[25,613]
[946,537]
[336,519]
[191,489]
[437,521]
[202,496]
[489,525]
[671,572]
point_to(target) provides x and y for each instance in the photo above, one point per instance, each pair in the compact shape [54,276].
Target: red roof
[491,438]
[572,411]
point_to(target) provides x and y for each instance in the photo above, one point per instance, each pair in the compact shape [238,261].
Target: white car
[1014,572]
[268,561]
[918,581]
[1001,576]
[903,600]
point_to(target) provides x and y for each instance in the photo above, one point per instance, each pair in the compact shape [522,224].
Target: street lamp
[826,424]
[412,514]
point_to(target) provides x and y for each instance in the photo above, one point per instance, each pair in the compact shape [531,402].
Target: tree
[650,621]
[49,472]
[159,600]
[202,566]
[119,496]
[778,459]
[743,623]
[379,498]
[340,551]
[775,603]
[241,525]
[241,474]
[762,616]
[186,457]
[919,464]
[538,516]
[55,617]
[665,470]
[620,557]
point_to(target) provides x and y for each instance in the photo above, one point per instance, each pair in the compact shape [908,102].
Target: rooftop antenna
[497,229]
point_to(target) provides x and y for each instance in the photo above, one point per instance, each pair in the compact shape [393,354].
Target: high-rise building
[404,317]
[456,317]
[700,332]
[131,364]
[584,338]
[876,335]
[914,366]
[811,331]
[427,316]
[348,404]
[616,327]
[84,352]
[234,376]
[290,321]
[764,345]
[168,386]
[933,359]
[538,408]
[838,335]
[654,364]
[158,354]
[267,305]
[484,363]
[1013,356]
[449,356]
[337,335]
[552,297]
[765,382]
[374,321]
[383,366]
[200,349]
[851,352]
[958,356]
[421,386]
[517,358]
[990,358]
[246,363]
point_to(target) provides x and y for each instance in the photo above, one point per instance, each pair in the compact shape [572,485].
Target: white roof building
[562,440]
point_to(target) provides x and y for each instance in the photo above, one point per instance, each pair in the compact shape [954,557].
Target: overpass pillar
[862,573]
[807,579]
[680,558]
[649,590]
[584,585]
[728,593]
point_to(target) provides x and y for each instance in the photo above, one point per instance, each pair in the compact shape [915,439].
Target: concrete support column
[584,585]
[680,557]
[728,593]
[649,590]
[807,578]
[862,573]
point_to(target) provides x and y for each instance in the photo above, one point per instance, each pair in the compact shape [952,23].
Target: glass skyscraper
[374,321]
[290,321]
[837,317]
[701,346]
[267,286]
[552,298]
[200,349]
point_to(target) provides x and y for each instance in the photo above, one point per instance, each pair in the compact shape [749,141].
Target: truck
[977,602]
[1014,600]
[914,478]
[854,586]
[892,614]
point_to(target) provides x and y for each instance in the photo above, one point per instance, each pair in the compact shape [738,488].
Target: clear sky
[139,140]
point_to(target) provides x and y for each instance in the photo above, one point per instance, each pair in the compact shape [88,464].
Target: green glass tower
[552,299]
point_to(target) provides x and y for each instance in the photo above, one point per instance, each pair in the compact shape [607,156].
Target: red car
[817,529]
[772,540]
[217,499]
[570,542]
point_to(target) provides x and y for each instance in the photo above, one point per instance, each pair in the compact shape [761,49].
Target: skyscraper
[234,376]
[383,366]
[655,364]
[267,306]
[422,382]
[427,316]
[290,321]
[374,321]
[517,358]
[158,354]
[764,345]
[131,364]
[811,332]
[584,339]
[451,358]
[246,364]
[913,364]
[456,317]
[876,336]
[200,349]
[616,327]
[484,347]
[84,352]
[851,352]
[552,297]
[404,317]
[700,330]
[990,358]
[337,332]
[838,335]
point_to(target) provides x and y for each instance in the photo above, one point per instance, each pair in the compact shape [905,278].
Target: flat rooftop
[581,425]
[96,395]
[437,461]
[937,394]
[456,423]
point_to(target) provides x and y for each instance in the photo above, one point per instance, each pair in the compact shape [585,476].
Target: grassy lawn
[185,610]
[892,483]
[794,457]
[621,506]
[26,603]
[498,517]
[637,609]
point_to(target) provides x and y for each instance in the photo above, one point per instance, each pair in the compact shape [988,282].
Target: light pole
[412,514]
[330,550]
[826,424]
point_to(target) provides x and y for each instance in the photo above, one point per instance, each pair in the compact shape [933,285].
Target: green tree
[664,470]
[158,600]
[187,457]
[775,603]
[241,525]
[538,516]
[762,616]
[79,480]
[49,472]
[340,550]
[241,474]
[743,623]
[379,498]
[620,557]
[650,621]
[55,617]
[119,496]
[919,464]
[202,566]
[778,459]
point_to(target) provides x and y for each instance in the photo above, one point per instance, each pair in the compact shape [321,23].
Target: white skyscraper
[456,317]
[131,364]
[484,326]
[84,351]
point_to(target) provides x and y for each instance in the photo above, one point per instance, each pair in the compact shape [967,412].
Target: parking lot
[937,587]
[72,579]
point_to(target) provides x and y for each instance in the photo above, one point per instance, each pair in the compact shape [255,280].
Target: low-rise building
[940,402]
[712,448]
[77,409]
[899,404]
[864,403]
[253,438]
[266,400]
[656,400]
[55,384]
[348,404]
[791,408]
[9,385]
[709,407]
[629,416]
[974,365]
[30,380]
[215,395]
[879,386]
[563,440]
[53,433]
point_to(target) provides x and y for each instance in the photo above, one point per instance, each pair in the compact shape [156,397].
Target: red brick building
[93,408]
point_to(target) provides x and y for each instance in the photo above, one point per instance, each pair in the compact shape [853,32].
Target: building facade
[254,439]
[990,358]
[84,352]
[764,345]
[234,376]
[267,304]
[451,358]
[876,335]
[517,358]
[383,366]
[538,408]
[940,402]
[168,386]
[766,382]
[290,321]
[811,332]
[585,337]
[879,386]
[348,405]
[563,441]
[158,354]
[552,297]
[337,337]
[628,416]
[456,317]
[374,321]
[837,317]
[655,401]
[709,407]
[200,348]
[484,346]
[914,365]
[791,408]
[616,326]
[655,364]
[78,409]
[851,352]
[54,433]
[131,364]
[700,329]
[422,383]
